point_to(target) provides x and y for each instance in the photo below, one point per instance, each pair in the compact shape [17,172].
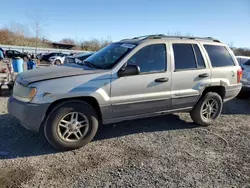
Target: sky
[226,20]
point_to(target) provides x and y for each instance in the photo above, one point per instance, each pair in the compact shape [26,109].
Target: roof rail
[159,36]
[150,36]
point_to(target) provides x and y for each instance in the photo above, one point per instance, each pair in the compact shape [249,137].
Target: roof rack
[159,36]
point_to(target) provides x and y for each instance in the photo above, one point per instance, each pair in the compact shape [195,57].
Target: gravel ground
[166,151]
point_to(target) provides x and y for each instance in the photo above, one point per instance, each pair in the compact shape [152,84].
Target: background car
[58,60]
[40,55]
[242,59]
[46,57]
[78,58]
[245,91]
[246,66]
[3,51]
[14,53]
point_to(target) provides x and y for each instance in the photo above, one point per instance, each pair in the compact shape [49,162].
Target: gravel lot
[166,151]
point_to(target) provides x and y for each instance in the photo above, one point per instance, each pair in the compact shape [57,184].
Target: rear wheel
[208,109]
[71,125]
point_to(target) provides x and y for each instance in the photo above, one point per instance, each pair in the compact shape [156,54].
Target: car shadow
[237,107]
[5,92]
[16,141]
[154,124]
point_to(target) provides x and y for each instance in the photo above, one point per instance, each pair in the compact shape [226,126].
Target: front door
[147,92]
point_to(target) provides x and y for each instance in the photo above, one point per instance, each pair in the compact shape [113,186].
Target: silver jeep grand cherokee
[133,78]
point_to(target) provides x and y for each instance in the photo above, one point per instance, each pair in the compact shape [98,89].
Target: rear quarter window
[219,56]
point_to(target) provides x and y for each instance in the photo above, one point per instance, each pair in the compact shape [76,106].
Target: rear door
[190,73]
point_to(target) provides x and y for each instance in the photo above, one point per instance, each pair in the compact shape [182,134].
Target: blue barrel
[31,65]
[17,64]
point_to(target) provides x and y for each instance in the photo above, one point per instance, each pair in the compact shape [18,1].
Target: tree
[37,25]
[68,41]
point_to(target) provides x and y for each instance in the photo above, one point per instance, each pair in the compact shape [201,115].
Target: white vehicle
[58,60]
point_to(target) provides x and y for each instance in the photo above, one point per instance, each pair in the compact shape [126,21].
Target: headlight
[23,93]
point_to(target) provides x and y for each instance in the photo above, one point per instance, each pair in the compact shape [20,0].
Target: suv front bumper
[30,115]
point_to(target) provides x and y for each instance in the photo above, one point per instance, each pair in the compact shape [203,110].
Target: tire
[52,130]
[243,95]
[196,113]
[58,62]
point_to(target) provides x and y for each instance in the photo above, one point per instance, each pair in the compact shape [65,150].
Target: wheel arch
[221,90]
[91,101]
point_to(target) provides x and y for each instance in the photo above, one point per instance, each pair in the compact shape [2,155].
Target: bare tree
[231,44]
[18,29]
[37,25]
[68,41]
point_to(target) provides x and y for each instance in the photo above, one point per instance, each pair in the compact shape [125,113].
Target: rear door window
[219,56]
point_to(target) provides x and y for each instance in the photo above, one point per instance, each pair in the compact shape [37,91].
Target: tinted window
[16,52]
[184,56]
[219,56]
[199,57]
[151,58]
[247,62]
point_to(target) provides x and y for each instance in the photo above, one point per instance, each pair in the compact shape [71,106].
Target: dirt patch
[93,161]
[10,178]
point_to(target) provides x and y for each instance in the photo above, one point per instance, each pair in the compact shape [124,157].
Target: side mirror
[129,70]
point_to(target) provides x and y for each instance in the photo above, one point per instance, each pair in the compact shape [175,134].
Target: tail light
[239,75]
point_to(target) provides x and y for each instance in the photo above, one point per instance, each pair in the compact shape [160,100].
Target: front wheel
[71,125]
[58,62]
[208,109]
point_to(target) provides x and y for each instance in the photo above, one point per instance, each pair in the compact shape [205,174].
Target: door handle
[161,79]
[204,75]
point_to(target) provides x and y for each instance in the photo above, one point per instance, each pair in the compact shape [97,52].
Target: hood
[54,72]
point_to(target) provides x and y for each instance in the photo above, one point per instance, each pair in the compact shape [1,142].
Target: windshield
[108,56]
